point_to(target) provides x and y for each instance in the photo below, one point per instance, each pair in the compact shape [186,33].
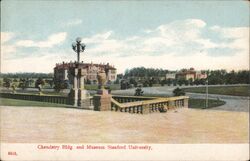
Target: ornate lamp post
[78,47]
[79,97]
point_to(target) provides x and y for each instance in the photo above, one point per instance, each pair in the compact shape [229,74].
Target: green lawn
[228,90]
[17,102]
[200,103]
[95,86]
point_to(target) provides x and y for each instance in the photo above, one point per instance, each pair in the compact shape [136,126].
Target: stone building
[171,75]
[61,71]
[188,74]
[201,75]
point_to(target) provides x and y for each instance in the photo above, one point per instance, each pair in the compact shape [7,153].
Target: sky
[35,35]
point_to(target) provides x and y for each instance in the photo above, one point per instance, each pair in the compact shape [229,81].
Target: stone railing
[159,104]
[124,99]
[41,98]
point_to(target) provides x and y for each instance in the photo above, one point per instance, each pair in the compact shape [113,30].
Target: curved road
[233,103]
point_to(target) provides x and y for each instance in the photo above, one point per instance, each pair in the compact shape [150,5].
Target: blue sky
[161,34]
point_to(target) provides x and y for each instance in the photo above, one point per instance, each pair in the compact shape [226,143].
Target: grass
[200,103]
[95,86]
[227,90]
[17,102]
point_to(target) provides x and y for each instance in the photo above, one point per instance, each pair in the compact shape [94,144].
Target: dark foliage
[178,92]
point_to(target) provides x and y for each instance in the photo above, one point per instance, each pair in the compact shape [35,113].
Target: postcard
[124,80]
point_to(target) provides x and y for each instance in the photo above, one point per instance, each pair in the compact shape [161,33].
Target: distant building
[188,74]
[201,75]
[61,71]
[170,75]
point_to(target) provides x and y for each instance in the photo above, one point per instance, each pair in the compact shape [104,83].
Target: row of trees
[214,77]
[25,82]
[40,82]
[125,84]
[26,75]
[156,76]
[145,72]
[232,77]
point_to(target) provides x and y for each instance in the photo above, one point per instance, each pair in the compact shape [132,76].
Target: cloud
[182,37]
[103,43]
[41,62]
[7,48]
[52,40]
[6,36]
[175,45]
[179,44]
[98,38]
[71,23]
[238,37]
[231,32]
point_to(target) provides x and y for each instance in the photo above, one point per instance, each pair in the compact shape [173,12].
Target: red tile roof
[82,65]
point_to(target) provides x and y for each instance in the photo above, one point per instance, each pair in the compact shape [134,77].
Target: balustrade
[131,104]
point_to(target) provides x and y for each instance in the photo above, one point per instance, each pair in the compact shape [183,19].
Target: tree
[202,81]
[60,85]
[217,77]
[26,75]
[15,80]
[169,81]
[174,82]
[145,72]
[181,82]
[243,77]
[124,84]
[30,82]
[186,82]
[196,82]
[151,82]
[22,83]
[1,83]
[138,91]
[133,81]
[119,77]
[39,84]
[178,92]
[145,83]
[50,82]
[163,82]
[190,81]
[7,82]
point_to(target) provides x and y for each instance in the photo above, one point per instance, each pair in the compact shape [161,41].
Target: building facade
[90,70]
[171,75]
[188,74]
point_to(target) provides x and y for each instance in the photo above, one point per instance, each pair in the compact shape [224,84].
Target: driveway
[233,103]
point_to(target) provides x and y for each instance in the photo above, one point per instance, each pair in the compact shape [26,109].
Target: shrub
[178,92]
[138,91]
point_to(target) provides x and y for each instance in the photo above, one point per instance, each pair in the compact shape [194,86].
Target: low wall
[41,98]
[125,99]
[143,106]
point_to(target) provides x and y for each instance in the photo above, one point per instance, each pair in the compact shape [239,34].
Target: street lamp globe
[78,39]
[83,46]
[78,47]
